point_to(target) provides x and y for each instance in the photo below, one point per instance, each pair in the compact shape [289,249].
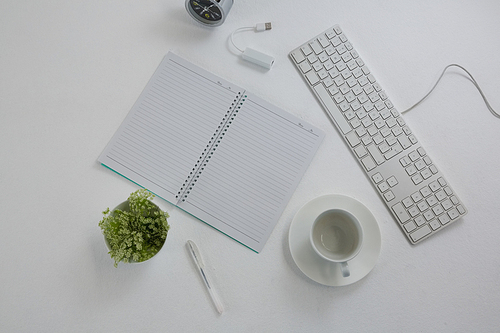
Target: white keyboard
[401,171]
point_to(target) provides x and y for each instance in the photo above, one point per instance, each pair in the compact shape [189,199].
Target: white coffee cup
[337,236]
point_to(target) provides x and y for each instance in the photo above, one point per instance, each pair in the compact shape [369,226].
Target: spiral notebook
[213,149]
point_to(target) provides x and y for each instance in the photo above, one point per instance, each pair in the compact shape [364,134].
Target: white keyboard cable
[253,55]
[496,114]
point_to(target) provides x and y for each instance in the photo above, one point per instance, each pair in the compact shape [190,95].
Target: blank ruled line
[295,134]
[284,118]
[254,178]
[250,221]
[149,139]
[262,151]
[197,73]
[162,107]
[261,175]
[295,139]
[139,150]
[132,158]
[156,156]
[136,173]
[167,133]
[262,142]
[240,189]
[186,102]
[228,224]
[274,143]
[191,84]
[184,108]
[172,130]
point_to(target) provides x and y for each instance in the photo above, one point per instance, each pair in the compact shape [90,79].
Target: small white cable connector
[253,55]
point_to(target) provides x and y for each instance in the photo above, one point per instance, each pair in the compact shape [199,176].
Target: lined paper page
[253,172]
[170,125]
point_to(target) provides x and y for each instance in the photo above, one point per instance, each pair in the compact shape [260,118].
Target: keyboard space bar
[332,109]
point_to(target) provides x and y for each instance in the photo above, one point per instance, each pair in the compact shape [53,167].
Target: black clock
[209,12]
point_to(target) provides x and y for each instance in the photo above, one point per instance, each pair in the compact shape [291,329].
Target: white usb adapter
[252,55]
[258,58]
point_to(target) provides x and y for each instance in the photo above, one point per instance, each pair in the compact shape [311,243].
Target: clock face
[206,10]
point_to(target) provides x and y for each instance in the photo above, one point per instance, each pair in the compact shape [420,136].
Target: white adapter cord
[250,54]
[473,81]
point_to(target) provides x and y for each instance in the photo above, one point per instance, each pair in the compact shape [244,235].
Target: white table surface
[71,70]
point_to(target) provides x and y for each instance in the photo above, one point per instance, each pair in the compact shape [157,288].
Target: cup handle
[344,267]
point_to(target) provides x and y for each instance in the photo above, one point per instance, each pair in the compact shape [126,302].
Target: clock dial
[206,10]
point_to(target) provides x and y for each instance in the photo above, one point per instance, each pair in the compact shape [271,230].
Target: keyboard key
[441,181]
[404,161]
[407,202]
[434,224]
[332,109]
[323,57]
[323,41]
[447,204]
[312,77]
[438,210]
[368,163]
[312,58]
[426,174]
[392,181]
[375,153]
[444,219]
[432,200]
[305,67]
[377,178]
[416,197]
[360,151]
[317,66]
[425,191]
[410,226]
[298,56]
[316,47]
[401,212]
[420,221]
[434,186]
[352,138]
[417,179]
[453,214]
[422,205]
[429,215]
[306,50]
[413,156]
[413,211]
[440,195]
[383,187]
[389,195]
[420,233]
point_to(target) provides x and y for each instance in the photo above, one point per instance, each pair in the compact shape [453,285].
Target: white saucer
[319,269]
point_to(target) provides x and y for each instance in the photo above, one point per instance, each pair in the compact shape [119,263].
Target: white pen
[195,253]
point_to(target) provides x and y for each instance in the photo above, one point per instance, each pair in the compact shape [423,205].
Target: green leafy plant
[137,233]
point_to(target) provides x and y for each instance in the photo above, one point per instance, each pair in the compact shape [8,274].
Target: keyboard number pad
[418,166]
[428,209]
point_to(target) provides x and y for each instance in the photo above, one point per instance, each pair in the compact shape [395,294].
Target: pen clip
[193,249]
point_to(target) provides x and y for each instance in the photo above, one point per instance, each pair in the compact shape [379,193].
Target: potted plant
[136,229]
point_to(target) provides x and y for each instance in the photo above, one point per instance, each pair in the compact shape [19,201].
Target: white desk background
[71,70]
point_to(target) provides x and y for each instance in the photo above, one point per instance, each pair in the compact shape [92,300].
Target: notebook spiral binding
[212,145]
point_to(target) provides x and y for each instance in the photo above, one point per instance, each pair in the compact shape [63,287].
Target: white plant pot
[124,206]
